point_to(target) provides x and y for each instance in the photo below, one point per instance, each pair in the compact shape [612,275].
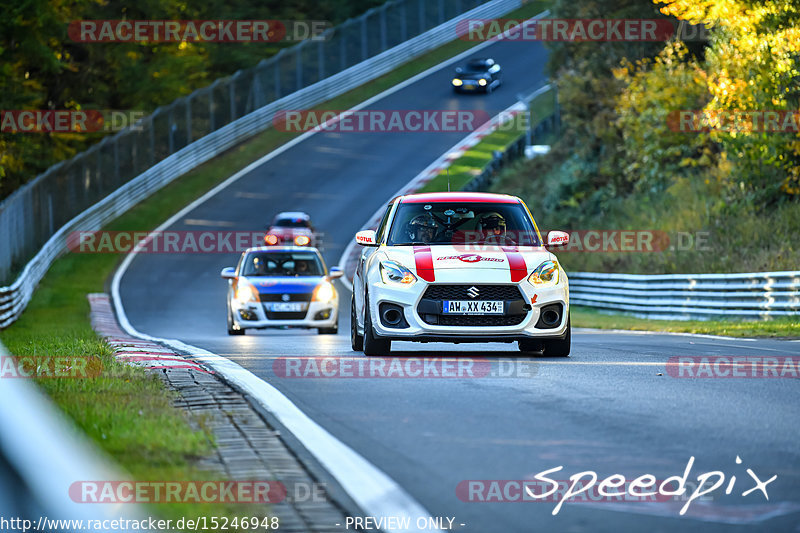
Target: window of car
[382,226]
[282,264]
[462,223]
[292,223]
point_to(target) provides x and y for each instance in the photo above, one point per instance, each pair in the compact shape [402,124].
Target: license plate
[469,87]
[286,306]
[471,307]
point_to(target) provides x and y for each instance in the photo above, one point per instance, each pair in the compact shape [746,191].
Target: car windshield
[282,264]
[292,223]
[504,224]
[477,65]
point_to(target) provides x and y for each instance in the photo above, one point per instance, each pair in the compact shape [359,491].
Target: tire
[328,331]
[231,330]
[356,340]
[531,345]
[559,347]
[373,345]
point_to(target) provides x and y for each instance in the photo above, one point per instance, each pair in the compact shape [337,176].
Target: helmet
[421,228]
[493,223]
[259,265]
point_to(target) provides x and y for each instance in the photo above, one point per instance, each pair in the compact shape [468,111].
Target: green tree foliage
[42,68]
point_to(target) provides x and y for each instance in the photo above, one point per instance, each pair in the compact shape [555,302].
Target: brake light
[271,239]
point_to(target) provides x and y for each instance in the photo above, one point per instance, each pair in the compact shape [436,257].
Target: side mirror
[228,273]
[335,272]
[367,237]
[557,238]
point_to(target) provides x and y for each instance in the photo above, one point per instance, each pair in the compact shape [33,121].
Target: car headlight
[481,82]
[457,82]
[545,275]
[302,240]
[245,292]
[395,273]
[324,293]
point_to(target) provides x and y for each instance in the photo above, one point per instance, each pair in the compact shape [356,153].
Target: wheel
[373,345]
[559,347]
[231,327]
[530,345]
[356,340]
[328,331]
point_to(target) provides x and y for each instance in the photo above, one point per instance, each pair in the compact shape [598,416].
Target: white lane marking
[369,487]
[204,222]
[682,334]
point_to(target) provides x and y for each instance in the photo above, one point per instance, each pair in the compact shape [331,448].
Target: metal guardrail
[23,213]
[45,453]
[689,296]
[668,296]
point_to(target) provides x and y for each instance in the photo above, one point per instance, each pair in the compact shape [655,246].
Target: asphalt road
[610,408]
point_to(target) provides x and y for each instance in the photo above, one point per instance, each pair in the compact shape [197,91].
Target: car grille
[486,292]
[441,292]
[278,297]
[294,315]
[479,320]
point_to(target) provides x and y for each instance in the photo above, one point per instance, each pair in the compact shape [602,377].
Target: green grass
[125,411]
[584,317]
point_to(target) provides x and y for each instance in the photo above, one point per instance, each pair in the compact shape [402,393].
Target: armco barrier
[689,296]
[15,297]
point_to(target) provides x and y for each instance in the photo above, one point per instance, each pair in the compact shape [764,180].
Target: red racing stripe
[423,260]
[516,263]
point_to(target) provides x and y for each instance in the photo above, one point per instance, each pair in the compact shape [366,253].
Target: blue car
[282,286]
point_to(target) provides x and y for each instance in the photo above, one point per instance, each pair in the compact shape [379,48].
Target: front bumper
[254,315]
[534,299]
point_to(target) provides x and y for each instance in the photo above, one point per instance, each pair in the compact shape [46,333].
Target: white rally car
[459,267]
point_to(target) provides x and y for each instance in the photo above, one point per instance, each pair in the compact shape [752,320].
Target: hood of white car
[452,263]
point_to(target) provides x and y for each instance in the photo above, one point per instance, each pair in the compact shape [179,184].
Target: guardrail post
[364,49]
[403,21]
[382,18]
[188,101]
[298,65]
[211,122]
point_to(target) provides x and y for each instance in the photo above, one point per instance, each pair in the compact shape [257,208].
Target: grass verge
[131,417]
